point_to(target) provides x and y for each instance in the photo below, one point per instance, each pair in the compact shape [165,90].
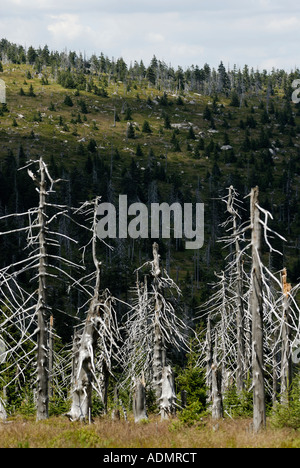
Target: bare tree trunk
[104,385]
[3,414]
[240,370]
[84,373]
[209,358]
[286,355]
[275,373]
[159,352]
[116,412]
[51,342]
[217,400]
[42,333]
[139,401]
[99,332]
[84,368]
[216,386]
[168,396]
[256,304]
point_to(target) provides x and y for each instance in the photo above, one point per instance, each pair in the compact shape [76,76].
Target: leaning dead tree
[26,306]
[153,328]
[94,350]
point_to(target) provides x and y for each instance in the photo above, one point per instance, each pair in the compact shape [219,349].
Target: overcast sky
[261,33]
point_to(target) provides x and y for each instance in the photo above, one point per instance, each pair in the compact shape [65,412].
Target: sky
[260,33]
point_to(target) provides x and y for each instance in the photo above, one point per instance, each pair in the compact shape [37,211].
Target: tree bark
[286,355]
[42,333]
[240,370]
[168,396]
[209,358]
[96,325]
[3,414]
[159,352]
[256,305]
[139,401]
[216,384]
[84,372]
[217,400]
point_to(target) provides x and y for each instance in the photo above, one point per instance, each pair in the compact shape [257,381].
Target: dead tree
[168,399]
[100,333]
[139,400]
[286,356]
[42,305]
[216,386]
[256,304]
[152,327]
[239,287]
[159,350]
[27,309]
[270,320]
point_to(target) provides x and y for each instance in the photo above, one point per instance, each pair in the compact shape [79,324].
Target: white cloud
[283,25]
[67,27]
[155,37]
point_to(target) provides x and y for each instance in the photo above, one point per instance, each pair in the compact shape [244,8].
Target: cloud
[155,38]
[67,27]
[283,25]
[180,33]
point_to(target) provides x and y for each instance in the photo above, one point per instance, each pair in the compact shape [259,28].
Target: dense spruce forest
[156,134]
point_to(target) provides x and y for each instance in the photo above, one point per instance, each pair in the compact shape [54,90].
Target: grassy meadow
[105,433]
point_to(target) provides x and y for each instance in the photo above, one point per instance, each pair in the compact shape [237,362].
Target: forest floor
[104,433]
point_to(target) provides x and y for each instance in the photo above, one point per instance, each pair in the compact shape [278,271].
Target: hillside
[182,145]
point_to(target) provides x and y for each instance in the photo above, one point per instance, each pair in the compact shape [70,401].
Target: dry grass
[104,433]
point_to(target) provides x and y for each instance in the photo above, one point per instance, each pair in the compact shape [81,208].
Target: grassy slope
[52,139]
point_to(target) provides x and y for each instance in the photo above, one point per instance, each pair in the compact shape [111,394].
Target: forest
[134,329]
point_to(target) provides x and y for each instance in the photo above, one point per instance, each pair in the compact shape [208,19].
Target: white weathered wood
[216,384]
[256,305]
[99,333]
[159,348]
[286,354]
[167,400]
[240,368]
[139,400]
[3,414]
[217,400]
[42,334]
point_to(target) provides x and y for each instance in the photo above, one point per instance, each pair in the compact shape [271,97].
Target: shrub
[68,101]
[146,127]
[31,92]
[192,380]
[192,413]
[288,415]
[92,146]
[83,106]
[235,102]
[237,405]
